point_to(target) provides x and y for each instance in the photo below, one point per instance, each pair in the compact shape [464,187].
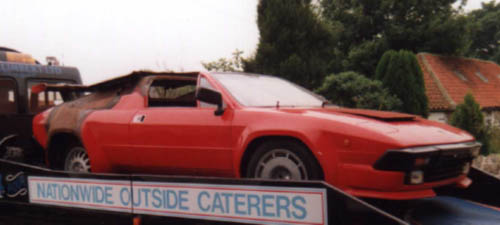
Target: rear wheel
[283,160]
[77,160]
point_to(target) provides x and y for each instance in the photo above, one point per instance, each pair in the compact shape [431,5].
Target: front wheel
[77,160]
[283,160]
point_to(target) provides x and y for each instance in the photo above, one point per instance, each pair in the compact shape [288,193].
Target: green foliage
[401,74]
[226,65]
[468,116]
[294,43]
[486,24]
[494,136]
[350,89]
[367,28]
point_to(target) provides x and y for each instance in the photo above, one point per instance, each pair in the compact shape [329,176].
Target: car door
[176,135]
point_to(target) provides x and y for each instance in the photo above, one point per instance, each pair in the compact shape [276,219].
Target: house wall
[438,116]
[491,118]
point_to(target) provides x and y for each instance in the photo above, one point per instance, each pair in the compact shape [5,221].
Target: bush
[468,116]
[350,89]
[401,74]
[494,145]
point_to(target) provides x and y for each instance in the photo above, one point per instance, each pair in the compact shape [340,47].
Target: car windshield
[266,91]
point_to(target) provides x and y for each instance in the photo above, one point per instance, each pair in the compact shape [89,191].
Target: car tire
[283,160]
[77,160]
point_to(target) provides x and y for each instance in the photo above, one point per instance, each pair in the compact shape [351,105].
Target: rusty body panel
[100,96]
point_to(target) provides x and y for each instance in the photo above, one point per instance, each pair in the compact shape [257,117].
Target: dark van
[18,73]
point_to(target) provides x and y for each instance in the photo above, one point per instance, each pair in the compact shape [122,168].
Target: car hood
[400,129]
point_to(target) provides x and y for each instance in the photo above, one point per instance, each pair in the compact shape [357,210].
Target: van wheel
[283,160]
[11,150]
[77,160]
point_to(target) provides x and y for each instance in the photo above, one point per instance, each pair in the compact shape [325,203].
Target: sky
[104,39]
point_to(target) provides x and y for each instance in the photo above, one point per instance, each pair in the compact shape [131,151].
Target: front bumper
[435,163]
[389,177]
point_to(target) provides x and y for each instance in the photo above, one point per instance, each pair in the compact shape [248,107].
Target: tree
[486,39]
[226,65]
[468,116]
[401,74]
[294,43]
[367,28]
[354,90]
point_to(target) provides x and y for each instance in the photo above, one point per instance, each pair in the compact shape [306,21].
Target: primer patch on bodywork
[69,116]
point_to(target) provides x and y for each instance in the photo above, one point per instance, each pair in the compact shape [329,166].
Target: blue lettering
[136,198]
[203,193]
[303,212]
[266,204]
[239,201]
[182,199]
[108,195]
[253,204]
[227,198]
[74,193]
[50,191]
[40,190]
[125,200]
[282,203]
[84,192]
[146,193]
[65,195]
[170,204]
[99,194]
[156,198]
[217,203]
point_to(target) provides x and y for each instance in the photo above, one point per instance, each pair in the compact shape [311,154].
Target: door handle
[138,118]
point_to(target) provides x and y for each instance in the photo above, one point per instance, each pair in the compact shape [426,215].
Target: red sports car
[250,125]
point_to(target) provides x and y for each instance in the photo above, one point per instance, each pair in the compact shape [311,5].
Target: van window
[44,100]
[8,99]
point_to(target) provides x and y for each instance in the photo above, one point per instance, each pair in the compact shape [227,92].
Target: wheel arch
[58,145]
[257,141]
[8,138]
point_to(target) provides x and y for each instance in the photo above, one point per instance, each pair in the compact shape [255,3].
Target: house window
[459,74]
[481,76]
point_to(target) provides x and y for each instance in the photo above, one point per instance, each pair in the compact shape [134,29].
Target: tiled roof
[448,79]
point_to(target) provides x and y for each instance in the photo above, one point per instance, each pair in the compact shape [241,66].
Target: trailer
[36,195]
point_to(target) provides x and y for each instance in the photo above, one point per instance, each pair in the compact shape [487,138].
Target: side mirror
[212,97]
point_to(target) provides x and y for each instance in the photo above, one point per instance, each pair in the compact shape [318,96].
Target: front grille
[448,164]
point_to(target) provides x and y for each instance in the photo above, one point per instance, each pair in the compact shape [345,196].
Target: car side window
[8,96]
[205,84]
[172,93]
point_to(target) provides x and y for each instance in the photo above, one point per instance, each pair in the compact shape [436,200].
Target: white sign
[232,203]
[250,204]
[82,193]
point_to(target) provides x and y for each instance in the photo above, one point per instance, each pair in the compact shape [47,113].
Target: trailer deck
[35,195]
